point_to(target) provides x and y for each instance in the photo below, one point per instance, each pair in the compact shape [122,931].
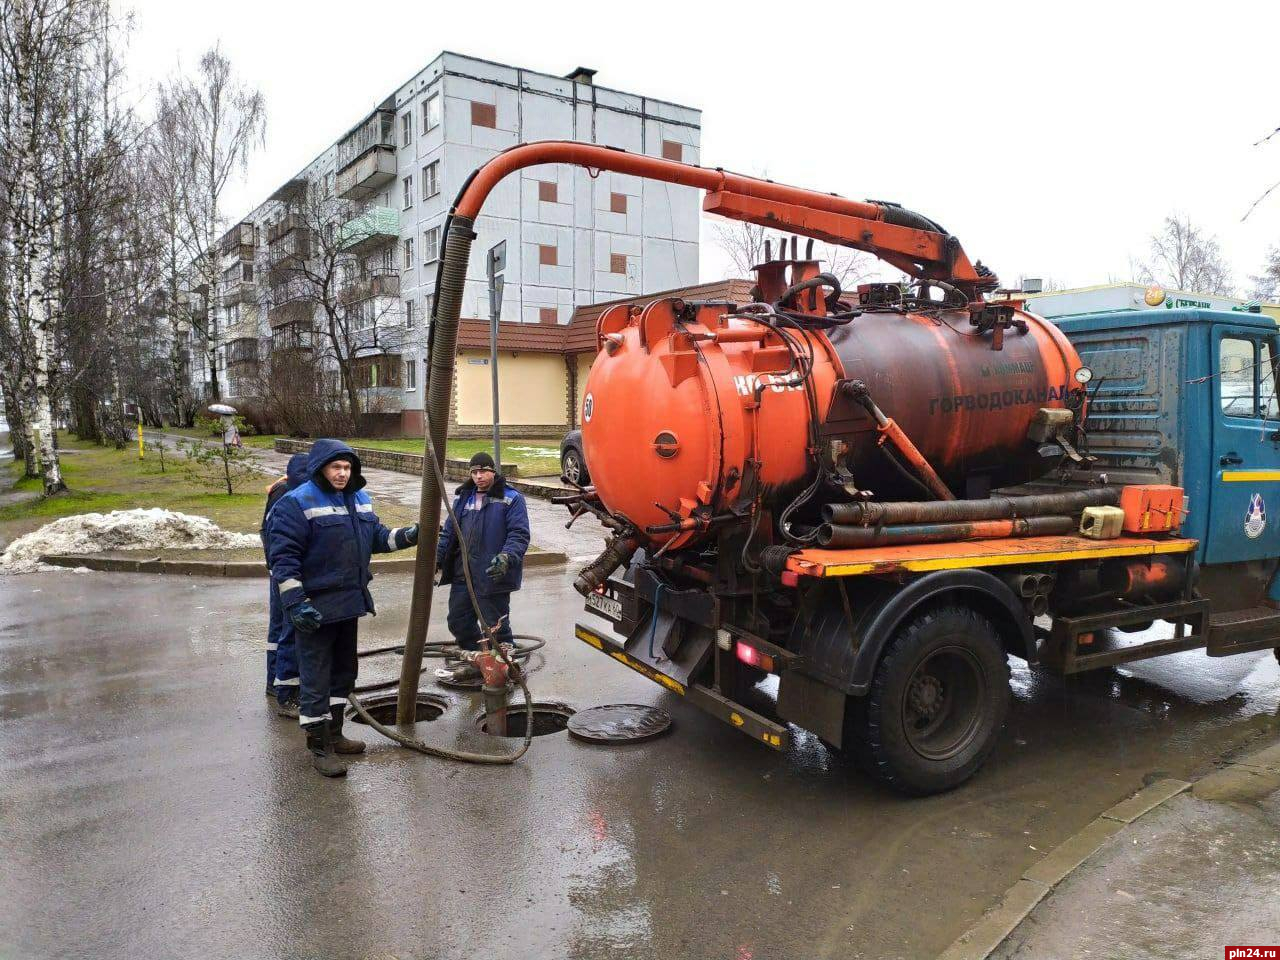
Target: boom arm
[908,241]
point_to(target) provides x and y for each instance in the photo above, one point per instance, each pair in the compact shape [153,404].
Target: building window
[548,315]
[430,244]
[547,191]
[407,185]
[410,375]
[484,115]
[428,305]
[671,150]
[617,263]
[409,318]
[431,112]
[617,203]
[430,180]
[408,252]
[406,129]
[547,255]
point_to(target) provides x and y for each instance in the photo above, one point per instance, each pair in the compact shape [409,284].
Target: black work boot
[340,743]
[323,758]
[288,707]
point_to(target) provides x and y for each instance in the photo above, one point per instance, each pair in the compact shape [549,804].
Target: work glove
[498,566]
[411,535]
[305,617]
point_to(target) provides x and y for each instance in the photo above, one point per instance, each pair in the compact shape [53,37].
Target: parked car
[573,464]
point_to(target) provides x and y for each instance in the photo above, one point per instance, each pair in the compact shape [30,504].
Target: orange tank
[691,410]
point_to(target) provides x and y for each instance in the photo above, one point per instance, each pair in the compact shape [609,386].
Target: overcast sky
[1051,138]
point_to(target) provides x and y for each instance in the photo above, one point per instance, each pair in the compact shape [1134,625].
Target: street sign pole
[497,262]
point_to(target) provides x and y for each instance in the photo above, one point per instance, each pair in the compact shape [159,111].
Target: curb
[1039,880]
[244,568]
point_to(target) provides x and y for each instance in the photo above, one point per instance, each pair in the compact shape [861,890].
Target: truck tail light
[753,657]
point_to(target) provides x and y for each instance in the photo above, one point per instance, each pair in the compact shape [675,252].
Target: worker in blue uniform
[494,525]
[282,654]
[321,537]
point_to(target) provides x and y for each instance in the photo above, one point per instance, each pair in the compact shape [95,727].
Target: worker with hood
[282,654]
[494,530]
[321,537]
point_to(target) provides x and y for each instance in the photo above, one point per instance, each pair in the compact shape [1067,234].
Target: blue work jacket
[321,539]
[500,526]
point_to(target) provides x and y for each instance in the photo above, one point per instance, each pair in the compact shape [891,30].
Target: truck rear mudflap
[758,727]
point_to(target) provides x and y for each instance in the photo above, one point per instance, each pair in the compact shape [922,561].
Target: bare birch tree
[44,49]
[207,127]
[1183,257]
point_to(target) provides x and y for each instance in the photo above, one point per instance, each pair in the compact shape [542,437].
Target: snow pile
[153,529]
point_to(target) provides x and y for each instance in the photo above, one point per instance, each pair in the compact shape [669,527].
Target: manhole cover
[383,708]
[547,718]
[619,723]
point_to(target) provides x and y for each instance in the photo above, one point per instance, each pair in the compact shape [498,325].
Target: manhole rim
[554,707]
[378,701]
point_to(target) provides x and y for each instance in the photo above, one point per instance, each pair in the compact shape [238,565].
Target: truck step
[1240,631]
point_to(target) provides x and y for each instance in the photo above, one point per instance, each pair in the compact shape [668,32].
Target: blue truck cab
[1189,397]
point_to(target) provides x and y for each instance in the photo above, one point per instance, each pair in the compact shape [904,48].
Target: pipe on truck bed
[870,513]
[831,535]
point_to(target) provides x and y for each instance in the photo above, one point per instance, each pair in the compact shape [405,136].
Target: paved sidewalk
[1198,873]
[581,543]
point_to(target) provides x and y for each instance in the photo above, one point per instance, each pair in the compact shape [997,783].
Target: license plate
[604,605]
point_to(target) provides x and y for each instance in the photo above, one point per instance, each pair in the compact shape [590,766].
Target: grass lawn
[101,479]
[534,458]
[263,441]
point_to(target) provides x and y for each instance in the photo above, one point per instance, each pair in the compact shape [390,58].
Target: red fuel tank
[691,408]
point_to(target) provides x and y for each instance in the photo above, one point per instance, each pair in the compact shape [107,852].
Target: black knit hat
[482,459]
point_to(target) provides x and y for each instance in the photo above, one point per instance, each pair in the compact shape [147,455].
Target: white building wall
[657,233]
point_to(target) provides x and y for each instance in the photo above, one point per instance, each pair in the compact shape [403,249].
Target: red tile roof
[579,335]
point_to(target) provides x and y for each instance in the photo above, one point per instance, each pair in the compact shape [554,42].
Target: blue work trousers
[462,616]
[287,663]
[275,623]
[329,665]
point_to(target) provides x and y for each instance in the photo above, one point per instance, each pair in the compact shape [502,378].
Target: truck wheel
[937,703]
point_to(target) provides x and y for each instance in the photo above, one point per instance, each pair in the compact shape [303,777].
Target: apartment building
[572,238]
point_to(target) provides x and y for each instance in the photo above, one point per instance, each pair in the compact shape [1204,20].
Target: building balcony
[288,224]
[366,155]
[238,241]
[242,350]
[290,191]
[239,291]
[370,230]
[291,313]
[378,285]
[367,174]
[291,337]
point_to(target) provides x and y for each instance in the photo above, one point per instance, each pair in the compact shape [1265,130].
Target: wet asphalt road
[153,806]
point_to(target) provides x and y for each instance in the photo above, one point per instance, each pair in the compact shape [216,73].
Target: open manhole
[547,718]
[382,707]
